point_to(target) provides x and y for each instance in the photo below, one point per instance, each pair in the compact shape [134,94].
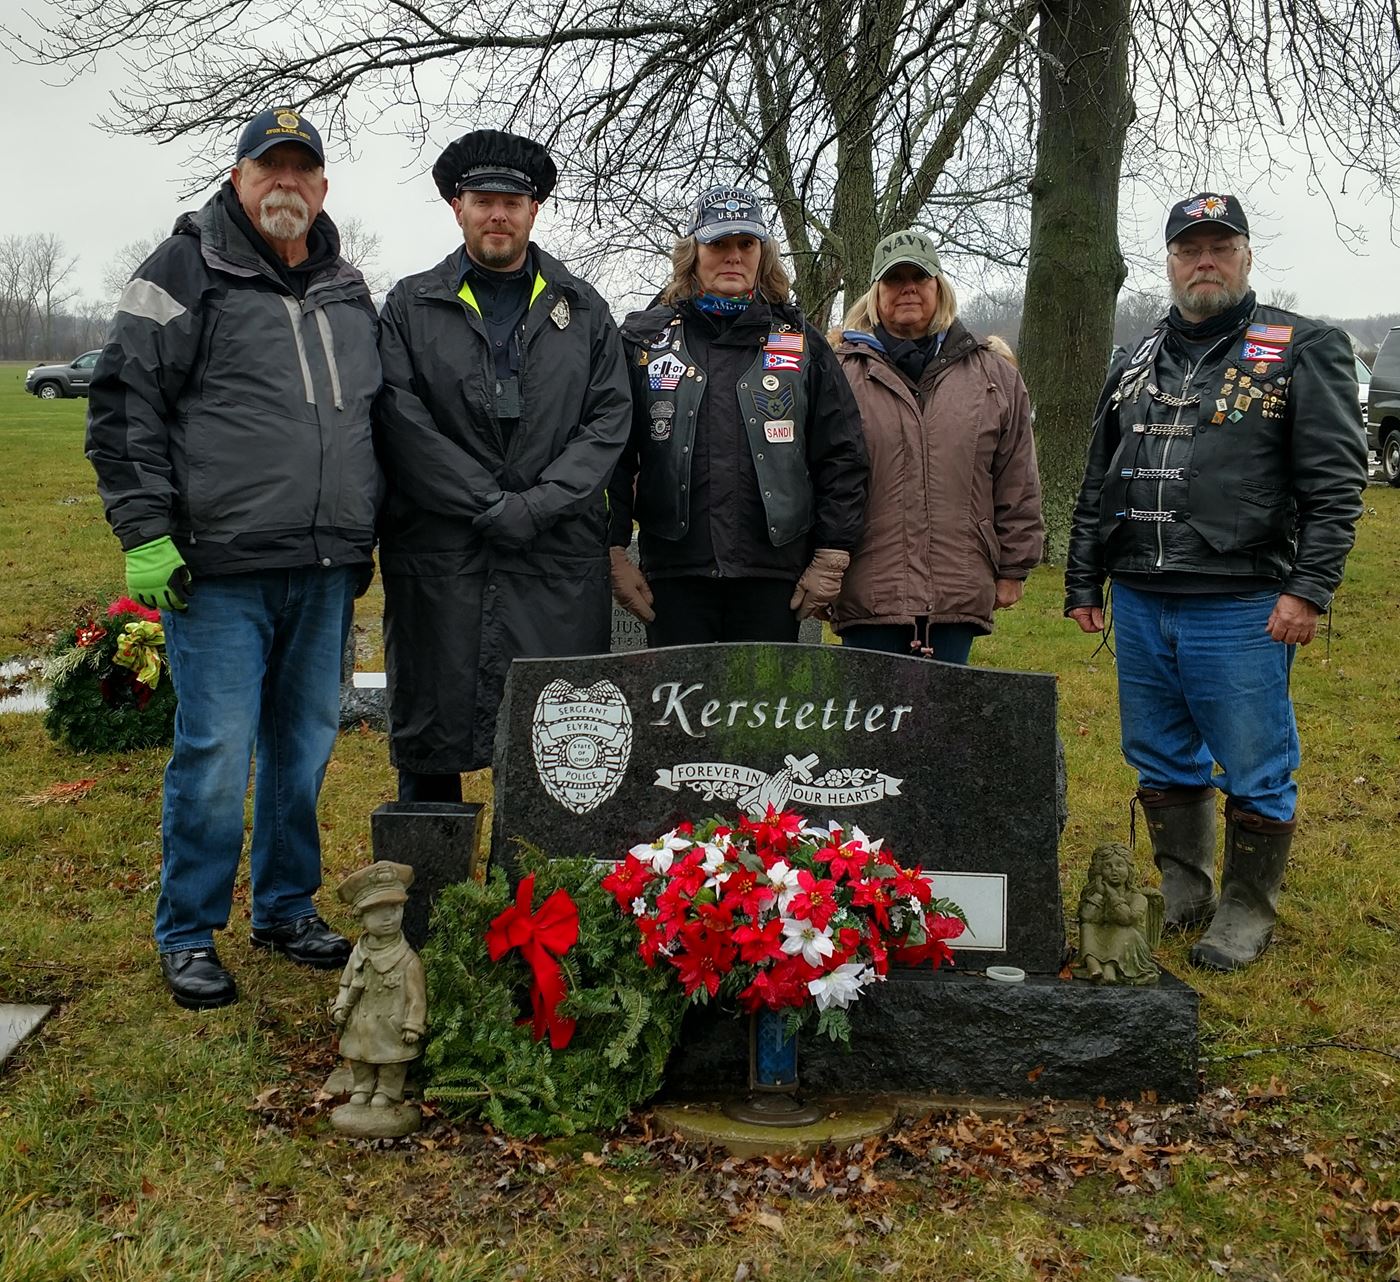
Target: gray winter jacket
[232,416]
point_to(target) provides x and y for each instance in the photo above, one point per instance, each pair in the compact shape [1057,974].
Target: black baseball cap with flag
[1206,209]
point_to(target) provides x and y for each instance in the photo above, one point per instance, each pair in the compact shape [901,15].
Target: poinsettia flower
[806,938]
[931,950]
[847,860]
[704,958]
[783,878]
[873,894]
[713,863]
[860,840]
[759,944]
[776,830]
[628,879]
[745,893]
[815,899]
[840,987]
[661,853]
[910,883]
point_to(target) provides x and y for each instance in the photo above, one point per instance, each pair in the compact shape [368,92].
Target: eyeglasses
[1194,253]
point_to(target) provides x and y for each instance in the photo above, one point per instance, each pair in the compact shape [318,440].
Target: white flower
[713,863]
[661,853]
[828,834]
[639,906]
[783,879]
[803,937]
[861,842]
[841,986]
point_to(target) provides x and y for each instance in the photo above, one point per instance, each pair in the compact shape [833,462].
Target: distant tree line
[41,316]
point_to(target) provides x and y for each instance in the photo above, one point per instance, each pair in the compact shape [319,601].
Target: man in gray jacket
[228,423]
[505,407]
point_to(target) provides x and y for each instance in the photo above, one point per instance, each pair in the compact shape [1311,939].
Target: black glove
[508,523]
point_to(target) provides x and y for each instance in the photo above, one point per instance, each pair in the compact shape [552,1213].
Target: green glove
[156,575]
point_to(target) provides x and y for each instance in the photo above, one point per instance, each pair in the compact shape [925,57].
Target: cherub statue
[382,1005]
[1119,924]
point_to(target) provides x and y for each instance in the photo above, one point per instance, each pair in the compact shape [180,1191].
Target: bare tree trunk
[1075,263]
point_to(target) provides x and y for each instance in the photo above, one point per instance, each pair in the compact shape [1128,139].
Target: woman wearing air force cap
[745,458]
[955,525]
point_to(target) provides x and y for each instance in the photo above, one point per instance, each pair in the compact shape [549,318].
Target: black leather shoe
[308,941]
[197,980]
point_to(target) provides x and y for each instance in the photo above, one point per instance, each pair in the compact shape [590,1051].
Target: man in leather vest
[1221,496]
[746,469]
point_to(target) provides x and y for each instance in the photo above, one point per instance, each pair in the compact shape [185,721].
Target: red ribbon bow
[552,930]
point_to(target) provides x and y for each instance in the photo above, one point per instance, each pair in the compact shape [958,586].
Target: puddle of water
[20,690]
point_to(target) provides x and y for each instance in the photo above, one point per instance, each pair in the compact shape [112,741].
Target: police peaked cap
[491,160]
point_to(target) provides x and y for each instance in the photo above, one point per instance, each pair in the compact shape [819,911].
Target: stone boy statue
[382,1005]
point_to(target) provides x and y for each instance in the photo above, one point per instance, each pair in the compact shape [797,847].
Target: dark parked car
[49,382]
[1383,408]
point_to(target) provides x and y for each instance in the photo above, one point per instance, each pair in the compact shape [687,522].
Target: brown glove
[820,583]
[629,586]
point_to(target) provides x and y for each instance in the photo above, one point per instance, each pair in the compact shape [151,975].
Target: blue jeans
[1201,682]
[256,663]
[950,642]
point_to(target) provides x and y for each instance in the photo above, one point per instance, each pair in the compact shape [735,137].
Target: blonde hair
[773,285]
[996,343]
[864,313]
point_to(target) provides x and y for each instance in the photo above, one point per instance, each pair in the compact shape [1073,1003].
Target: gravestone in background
[954,767]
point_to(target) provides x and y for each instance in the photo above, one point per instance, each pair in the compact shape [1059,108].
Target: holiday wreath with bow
[109,682]
[545,1021]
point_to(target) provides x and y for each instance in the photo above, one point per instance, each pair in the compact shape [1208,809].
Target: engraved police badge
[582,740]
[560,313]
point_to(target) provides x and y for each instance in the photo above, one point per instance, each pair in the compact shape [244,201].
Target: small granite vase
[773,1098]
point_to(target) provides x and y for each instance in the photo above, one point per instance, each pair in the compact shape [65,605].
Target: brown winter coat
[954,491]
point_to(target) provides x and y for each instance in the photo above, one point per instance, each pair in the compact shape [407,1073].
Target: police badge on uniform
[582,741]
[560,313]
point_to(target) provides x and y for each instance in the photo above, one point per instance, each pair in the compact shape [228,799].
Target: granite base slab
[18,1021]
[962,1034]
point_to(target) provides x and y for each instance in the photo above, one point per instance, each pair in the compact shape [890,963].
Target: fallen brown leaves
[60,794]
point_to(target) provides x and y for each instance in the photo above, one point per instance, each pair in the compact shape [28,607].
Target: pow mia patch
[582,741]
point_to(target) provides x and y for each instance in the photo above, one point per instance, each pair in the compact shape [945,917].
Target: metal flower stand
[773,1098]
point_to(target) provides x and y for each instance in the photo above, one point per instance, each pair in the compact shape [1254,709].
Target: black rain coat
[459,607]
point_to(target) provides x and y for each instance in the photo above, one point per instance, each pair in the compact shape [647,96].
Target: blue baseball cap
[726,211]
[278,124]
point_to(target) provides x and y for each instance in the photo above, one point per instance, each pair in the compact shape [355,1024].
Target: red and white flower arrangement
[781,915]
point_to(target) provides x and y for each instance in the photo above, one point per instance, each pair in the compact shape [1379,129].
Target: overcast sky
[99,192]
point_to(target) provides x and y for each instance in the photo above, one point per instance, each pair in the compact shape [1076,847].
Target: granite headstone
[437,839]
[954,767]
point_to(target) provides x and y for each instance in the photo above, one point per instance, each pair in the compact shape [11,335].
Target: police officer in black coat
[504,409]
[746,470]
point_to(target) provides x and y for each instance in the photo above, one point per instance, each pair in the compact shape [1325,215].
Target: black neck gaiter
[1212,326]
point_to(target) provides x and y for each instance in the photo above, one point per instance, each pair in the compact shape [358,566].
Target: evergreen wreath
[109,682]
[482,1059]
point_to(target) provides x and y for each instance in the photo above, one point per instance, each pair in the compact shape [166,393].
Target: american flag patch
[1258,352]
[1206,207]
[1270,333]
[784,342]
[782,360]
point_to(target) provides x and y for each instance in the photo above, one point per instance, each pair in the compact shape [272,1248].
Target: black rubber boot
[1256,853]
[1182,824]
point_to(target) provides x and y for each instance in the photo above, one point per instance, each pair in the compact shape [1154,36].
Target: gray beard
[1206,301]
[284,222]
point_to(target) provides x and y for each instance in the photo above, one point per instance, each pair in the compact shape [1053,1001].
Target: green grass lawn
[138,1141]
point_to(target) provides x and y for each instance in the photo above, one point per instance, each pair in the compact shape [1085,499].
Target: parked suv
[49,382]
[1383,408]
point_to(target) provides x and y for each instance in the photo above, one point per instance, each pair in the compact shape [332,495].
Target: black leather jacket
[1243,463]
